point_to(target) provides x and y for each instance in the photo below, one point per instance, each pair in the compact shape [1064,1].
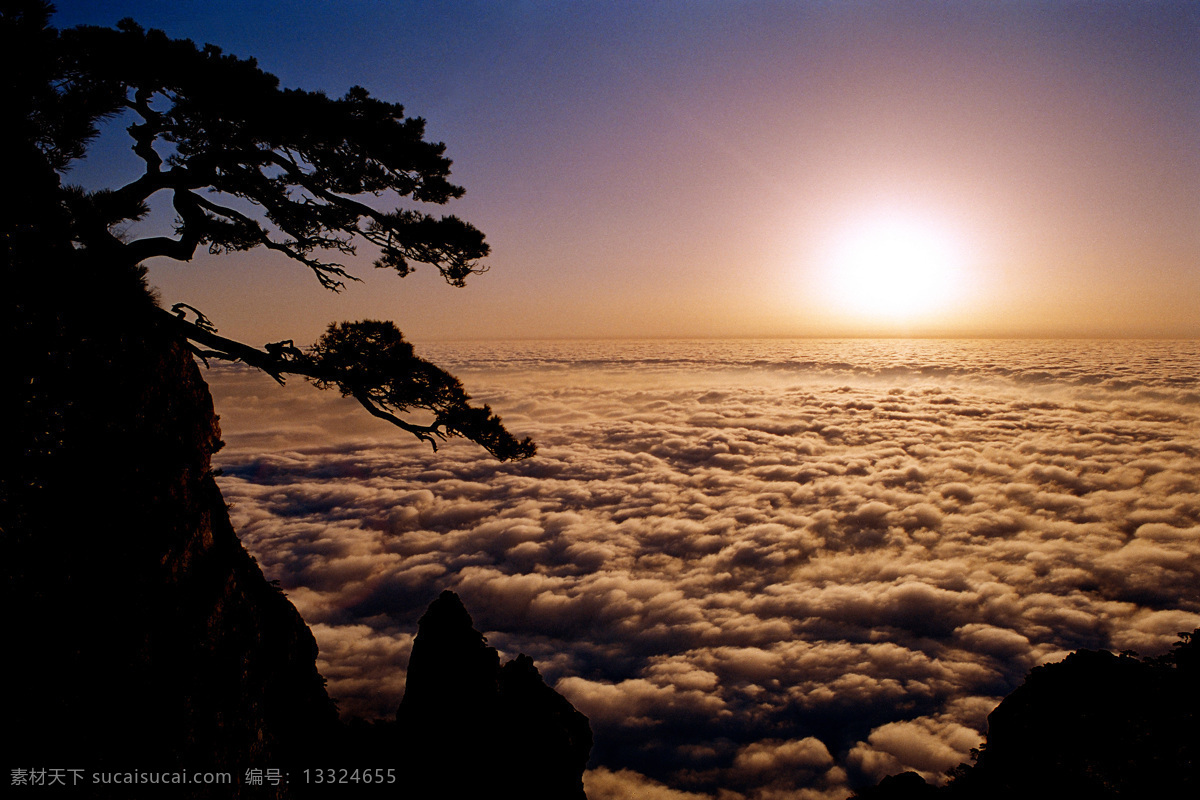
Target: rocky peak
[471,725]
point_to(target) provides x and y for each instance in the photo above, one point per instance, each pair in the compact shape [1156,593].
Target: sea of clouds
[774,569]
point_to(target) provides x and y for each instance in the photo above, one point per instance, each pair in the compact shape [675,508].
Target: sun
[893,268]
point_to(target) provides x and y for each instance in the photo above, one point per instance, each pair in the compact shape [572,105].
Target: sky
[763,570]
[748,169]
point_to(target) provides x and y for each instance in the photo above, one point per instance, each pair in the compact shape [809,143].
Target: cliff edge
[143,636]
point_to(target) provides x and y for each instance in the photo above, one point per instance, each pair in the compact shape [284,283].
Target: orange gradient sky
[695,169]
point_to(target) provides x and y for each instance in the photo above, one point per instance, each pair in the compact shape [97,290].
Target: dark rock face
[142,635]
[472,726]
[905,786]
[1095,725]
[148,636]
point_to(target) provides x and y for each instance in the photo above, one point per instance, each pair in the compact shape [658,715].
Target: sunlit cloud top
[782,569]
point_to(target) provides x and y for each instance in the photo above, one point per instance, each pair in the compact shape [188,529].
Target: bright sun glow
[894,269]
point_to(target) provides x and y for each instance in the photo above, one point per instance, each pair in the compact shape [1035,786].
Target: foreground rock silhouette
[1095,725]
[142,635]
[461,706]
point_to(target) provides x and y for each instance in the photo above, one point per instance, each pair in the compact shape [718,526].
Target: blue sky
[696,168]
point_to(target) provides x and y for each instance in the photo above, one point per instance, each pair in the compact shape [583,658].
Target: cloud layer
[763,570]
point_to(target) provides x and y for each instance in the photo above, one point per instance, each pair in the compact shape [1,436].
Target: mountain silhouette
[461,706]
[1094,725]
[143,636]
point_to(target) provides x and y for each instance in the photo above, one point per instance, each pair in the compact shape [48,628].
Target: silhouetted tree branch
[222,127]
[247,164]
[371,362]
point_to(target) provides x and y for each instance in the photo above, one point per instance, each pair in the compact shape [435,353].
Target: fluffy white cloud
[762,569]
[624,784]
[928,745]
